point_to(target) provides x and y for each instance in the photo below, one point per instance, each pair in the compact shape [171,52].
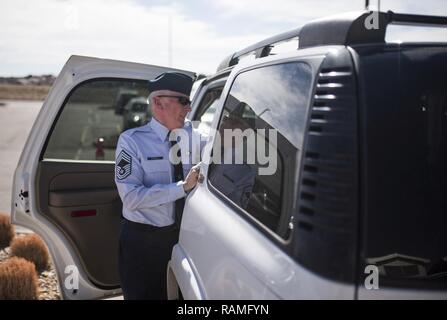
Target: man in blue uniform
[152,188]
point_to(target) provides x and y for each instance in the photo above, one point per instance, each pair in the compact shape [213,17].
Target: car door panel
[83,197]
[222,266]
[238,262]
[88,215]
[225,271]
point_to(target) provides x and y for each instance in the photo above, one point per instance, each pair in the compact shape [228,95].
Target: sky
[37,37]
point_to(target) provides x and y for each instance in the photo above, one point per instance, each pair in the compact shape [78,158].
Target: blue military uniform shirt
[144,173]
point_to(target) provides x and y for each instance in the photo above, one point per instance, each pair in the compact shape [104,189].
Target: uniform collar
[161,131]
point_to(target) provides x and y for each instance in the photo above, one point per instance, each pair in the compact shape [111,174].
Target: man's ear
[157,103]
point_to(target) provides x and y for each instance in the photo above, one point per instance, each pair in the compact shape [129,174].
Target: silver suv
[355,209]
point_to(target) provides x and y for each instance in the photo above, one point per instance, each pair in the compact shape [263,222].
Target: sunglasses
[184,101]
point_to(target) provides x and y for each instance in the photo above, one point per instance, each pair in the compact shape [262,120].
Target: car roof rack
[352,28]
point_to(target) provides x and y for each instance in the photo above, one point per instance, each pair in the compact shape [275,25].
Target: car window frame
[288,201]
[61,110]
[207,86]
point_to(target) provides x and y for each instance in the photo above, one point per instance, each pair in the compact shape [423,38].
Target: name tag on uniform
[154,158]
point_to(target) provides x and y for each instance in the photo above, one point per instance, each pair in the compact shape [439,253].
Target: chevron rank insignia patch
[123,166]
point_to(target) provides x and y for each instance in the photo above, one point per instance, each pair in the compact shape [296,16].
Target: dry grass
[6,231]
[18,280]
[23,92]
[32,248]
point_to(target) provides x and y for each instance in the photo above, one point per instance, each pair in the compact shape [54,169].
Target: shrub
[6,231]
[32,248]
[18,280]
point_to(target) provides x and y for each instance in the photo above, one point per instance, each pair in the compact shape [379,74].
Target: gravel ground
[48,288]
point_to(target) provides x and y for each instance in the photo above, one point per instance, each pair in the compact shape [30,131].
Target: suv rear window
[405,226]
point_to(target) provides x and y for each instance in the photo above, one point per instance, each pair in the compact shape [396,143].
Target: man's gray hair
[158,93]
[151,97]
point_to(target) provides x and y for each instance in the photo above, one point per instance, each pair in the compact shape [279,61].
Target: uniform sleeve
[129,180]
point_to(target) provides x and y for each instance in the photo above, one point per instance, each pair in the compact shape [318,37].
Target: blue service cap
[173,81]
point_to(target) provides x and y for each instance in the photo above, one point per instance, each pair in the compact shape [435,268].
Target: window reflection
[269,98]
[94,116]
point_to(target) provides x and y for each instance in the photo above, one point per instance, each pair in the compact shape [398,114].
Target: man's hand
[191,178]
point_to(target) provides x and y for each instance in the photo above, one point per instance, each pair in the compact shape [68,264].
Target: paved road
[16,120]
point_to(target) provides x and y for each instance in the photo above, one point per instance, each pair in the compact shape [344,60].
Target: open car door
[64,187]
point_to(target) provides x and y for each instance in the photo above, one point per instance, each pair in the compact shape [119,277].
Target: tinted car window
[263,102]
[88,126]
[406,170]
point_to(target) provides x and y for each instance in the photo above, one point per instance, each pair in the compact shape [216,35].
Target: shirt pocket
[156,172]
